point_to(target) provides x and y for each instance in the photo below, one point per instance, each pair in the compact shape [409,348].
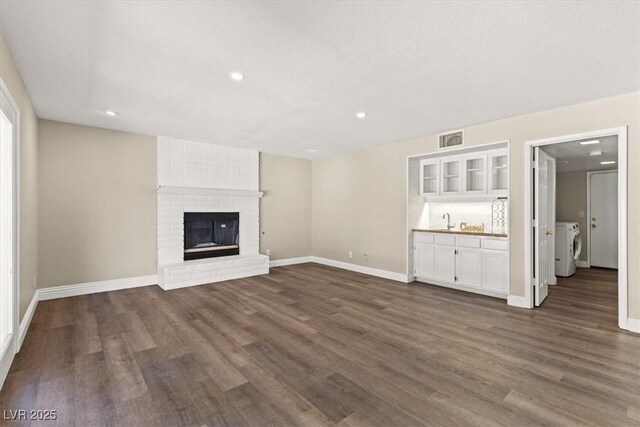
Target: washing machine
[568,247]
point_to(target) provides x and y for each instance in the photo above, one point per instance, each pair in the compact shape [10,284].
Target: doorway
[9,125]
[590,213]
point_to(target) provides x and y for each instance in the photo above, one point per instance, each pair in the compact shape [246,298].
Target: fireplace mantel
[163,189]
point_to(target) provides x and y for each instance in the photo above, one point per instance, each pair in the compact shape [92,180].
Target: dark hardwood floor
[314,345]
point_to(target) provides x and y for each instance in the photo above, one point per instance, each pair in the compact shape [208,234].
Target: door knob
[593,226]
[549,233]
[593,219]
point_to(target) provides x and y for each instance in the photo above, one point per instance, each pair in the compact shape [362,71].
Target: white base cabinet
[495,270]
[425,258]
[472,263]
[469,267]
[445,263]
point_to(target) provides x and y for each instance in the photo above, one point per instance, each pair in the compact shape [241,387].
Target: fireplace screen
[211,234]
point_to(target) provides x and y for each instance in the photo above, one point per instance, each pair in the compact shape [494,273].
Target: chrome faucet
[449,226]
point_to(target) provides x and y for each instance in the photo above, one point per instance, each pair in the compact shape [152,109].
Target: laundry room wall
[571,201]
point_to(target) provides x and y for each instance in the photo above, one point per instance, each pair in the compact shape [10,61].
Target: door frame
[588,242]
[553,178]
[623,281]
[16,228]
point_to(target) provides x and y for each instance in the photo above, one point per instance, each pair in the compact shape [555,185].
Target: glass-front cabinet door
[429,177]
[498,162]
[475,173]
[451,176]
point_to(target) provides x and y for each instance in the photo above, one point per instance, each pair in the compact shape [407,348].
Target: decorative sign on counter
[472,228]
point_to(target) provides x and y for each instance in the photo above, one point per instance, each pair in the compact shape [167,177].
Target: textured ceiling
[416,68]
[573,157]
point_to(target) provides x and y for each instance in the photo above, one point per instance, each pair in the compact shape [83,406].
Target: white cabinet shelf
[471,175]
[477,264]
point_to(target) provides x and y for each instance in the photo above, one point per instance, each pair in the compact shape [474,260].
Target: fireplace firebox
[211,234]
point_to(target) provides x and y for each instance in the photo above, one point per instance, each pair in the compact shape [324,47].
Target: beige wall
[571,199]
[97,204]
[285,208]
[359,199]
[28,176]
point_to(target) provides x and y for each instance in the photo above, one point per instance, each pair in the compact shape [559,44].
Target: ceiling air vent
[452,139]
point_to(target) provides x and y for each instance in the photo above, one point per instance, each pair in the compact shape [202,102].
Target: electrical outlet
[366,258]
[350,254]
[268,252]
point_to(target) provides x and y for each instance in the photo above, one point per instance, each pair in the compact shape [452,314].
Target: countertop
[471,233]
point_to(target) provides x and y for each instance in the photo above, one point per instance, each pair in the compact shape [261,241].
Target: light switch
[581,214]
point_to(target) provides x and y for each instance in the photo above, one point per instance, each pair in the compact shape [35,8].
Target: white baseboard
[633,325]
[95,287]
[26,319]
[517,301]
[385,274]
[290,261]
[582,264]
[79,289]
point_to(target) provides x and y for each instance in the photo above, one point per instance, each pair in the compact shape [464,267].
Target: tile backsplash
[473,213]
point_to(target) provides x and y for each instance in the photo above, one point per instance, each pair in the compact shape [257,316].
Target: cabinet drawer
[495,244]
[468,242]
[444,239]
[419,237]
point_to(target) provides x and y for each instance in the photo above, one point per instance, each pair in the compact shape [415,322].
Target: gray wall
[571,199]
[285,208]
[97,204]
[28,177]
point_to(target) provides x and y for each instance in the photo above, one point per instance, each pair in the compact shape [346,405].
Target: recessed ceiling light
[236,76]
[110,113]
[361,114]
[595,153]
[593,141]
[311,150]
[608,162]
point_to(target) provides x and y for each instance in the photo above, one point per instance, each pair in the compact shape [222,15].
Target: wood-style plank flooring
[314,345]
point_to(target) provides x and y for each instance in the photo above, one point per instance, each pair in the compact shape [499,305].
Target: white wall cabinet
[451,176]
[430,177]
[498,172]
[477,174]
[472,263]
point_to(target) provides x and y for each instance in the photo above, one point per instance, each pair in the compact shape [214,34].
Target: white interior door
[8,221]
[543,235]
[603,207]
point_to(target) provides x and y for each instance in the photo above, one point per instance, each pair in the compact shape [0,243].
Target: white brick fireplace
[200,177]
